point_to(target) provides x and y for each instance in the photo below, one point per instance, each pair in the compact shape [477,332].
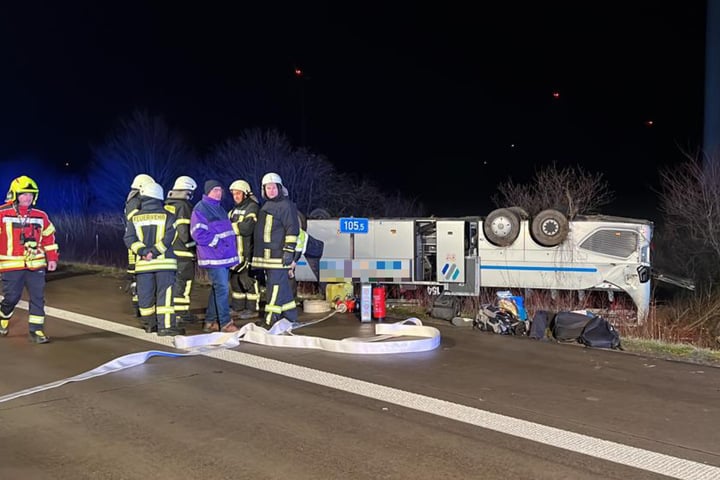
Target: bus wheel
[550,228]
[501,227]
[319,213]
[521,212]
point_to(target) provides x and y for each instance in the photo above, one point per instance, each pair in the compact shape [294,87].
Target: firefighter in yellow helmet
[27,243]
[132,206]
[245,294]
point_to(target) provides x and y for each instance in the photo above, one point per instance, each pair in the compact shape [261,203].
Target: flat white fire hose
[280,335]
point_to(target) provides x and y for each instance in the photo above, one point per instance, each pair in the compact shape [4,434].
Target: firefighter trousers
[183,285]
[279,297]
[245,294]
[155,299]
[13,283]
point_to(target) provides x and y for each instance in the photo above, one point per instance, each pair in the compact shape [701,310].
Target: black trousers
[182,288]
[244,291]
[155,298]
[279,297]
[13,284]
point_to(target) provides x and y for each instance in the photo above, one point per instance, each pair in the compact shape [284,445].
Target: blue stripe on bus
[538,269]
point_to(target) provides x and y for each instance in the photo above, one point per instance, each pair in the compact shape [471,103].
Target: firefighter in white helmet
[149,234]
[27,240]
[132,205]
[244,291]
[179,200]
[276,234]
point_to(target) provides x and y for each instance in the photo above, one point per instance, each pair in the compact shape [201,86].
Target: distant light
[298,72]
[649,123]
[512,145]
[67,164]
[556,94]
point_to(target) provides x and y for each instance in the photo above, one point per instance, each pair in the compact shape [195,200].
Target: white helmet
[271,178]
[152,190]
[141,180]
[184,182]
[241,185]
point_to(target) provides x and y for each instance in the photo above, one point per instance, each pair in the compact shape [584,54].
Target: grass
[670,332]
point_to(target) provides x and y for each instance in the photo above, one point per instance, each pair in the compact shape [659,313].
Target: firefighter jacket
[276,233]
[214,235]
[244,217]
[27,238]
[184,245]
[132,204]
[152,229]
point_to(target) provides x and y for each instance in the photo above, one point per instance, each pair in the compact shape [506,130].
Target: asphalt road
[478,406]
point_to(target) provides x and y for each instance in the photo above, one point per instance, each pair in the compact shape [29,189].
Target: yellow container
[338,291]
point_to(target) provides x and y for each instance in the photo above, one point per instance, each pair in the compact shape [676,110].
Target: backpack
[445,307]
[600,333]
[540,323]
[495,319]
[568,326]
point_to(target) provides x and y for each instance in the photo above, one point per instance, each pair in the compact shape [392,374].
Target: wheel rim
[501,227]
[550,227]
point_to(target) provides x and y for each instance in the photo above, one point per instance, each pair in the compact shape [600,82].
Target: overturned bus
[506,249]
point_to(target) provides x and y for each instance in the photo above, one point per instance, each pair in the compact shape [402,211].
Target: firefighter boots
[38,336]
[170,332]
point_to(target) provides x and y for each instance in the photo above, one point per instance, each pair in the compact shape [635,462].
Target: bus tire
[319,214]
[521,212]
[549,228]
[501,227]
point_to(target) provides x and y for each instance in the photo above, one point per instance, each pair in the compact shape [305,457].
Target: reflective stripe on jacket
[213,233]
[27,238]
[276,232]
[244,217]
[152,230]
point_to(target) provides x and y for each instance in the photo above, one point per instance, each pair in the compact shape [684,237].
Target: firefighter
[132,205]
[27,243]
[245,294]
[178,200]
[275,237]
[156,262]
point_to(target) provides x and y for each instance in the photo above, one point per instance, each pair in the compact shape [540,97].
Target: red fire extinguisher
[378,303]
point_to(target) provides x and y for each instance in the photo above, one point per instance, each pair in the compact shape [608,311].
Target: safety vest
[301,244]
[27,239]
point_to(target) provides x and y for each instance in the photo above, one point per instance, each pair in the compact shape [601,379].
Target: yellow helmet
[241,185]
[22,184]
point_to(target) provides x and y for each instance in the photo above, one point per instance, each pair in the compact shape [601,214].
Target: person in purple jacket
[213,233]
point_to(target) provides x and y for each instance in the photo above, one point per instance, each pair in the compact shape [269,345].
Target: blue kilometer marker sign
[354,225]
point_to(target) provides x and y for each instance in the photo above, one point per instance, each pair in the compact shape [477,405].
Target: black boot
[170,332]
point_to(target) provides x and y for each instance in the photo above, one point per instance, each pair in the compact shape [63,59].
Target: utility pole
[300,75]
[711,130]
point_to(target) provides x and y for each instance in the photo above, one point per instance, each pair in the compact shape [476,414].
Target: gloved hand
[288,258]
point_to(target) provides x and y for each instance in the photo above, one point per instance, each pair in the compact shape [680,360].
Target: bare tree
[141,144]
[690,202]
[569,189]
[256,152]
[312,180]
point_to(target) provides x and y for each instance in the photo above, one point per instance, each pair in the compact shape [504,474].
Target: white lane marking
[642,459]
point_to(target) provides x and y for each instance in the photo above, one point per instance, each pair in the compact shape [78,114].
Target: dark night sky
[428,100]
